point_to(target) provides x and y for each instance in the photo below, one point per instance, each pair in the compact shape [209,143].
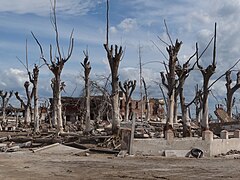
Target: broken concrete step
[176,153]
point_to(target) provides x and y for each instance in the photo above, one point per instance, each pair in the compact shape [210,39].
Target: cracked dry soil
[27,165]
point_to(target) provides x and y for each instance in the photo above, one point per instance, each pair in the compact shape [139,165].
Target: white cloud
[12,79]
[113,29]
[128,24]
[42,8]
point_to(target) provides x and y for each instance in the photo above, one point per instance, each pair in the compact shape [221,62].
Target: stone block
[176,153]
[224,134]
[236,133]
[207,135]
[169,135]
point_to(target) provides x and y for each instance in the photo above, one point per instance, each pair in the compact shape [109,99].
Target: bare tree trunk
[115,106]
[205,115]
[87,68]
[54,104]
[171,81]
[56,65]
[34,80]
[59,104]
[5,99]
[36,113]
[148,110]
[114,56]
[207,73]
[127,88]
[175,109]
[184,112]
[27,105]
[231,91]
[27,117]
[198,104]
[146,99]
[171,108]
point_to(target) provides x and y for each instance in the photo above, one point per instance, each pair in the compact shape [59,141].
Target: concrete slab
[177,153]
[60,149]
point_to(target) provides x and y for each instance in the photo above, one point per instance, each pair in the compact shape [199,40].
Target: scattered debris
[229,153]
[197,153]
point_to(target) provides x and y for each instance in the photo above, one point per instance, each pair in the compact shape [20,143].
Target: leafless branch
[159,50]
[206,47]
[168,32]
[223,74]
[22,63]
[164,42]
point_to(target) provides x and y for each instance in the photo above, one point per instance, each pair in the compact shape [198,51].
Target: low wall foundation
[209,146]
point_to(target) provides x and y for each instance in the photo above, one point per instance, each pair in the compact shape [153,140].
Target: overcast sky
[133,23]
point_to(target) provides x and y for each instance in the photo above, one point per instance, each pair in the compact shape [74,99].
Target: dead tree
[230,91]
[146,100]
[5,96]
[127,88]
[207,73]
[182,74]
[33,78]
[56,66]
[114,56]
[105,105]
[198,103]
[169,80]
[87,69]
[27,104]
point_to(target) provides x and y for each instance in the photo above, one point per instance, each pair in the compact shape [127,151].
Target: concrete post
[237,133]
[207,135]
[132,134]
[169,136]
[224,134]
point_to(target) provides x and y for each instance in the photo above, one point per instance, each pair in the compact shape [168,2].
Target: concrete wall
[157,147]
[219,146]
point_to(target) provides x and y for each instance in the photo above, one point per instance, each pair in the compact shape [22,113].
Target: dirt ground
[27,165]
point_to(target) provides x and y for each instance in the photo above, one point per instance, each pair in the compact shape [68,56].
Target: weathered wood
[45,147]
[21,139]
[56,65]
[47,140]
[104,150]
[87,69]
[5,96]
[2,139]
[76,145]
[63,134]
[127,88]
[114,56]
[132,135]
[207,74]
[169,80]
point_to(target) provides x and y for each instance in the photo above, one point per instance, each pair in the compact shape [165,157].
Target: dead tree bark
[27,105]
[34,80]
[114,56]
[198,104]
[230,91]
[182,73]
[168,79]
[127,88]
[146,100]
[87,69]
[56,66]
[5,96]
[105,106]
[207,73]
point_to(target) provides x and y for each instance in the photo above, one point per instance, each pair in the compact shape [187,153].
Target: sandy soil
[27,165]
